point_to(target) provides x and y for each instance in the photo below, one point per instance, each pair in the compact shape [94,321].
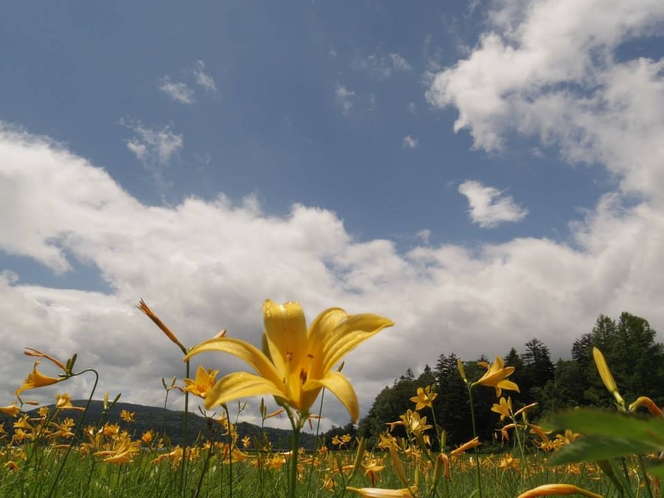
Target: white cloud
[424,235]
[489,207]
[549,69]
[153,144]
[382,66]
[409,142]
[399,62]
[345,98]
[180,92]
[207,265]
[203,79]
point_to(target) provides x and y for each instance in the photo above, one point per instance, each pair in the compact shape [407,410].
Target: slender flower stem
[315,449]
[79,427]
[230,451]
[296,425]
[206,464]
[183,464]
[646,481]
[478,476]
[517,436]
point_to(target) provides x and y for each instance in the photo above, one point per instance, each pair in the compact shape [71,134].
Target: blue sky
[481,172]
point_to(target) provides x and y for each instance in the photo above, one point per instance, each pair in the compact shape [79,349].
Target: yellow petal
[378,492]
[240,385]
[339,385]
[347,334]
[509,385]
[286,335]
[242,350]
[557,489]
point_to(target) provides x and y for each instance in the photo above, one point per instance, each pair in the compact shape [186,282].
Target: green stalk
[78,429]
[183,465]
[478,475]
[206,464]
[296,425]
[646,482]
[230,450]
[320,413]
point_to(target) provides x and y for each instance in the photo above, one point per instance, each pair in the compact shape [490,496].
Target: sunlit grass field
[583,452]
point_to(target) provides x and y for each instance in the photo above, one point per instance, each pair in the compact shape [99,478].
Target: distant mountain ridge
[170,423]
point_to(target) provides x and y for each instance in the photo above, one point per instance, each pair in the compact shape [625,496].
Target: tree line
[629,345]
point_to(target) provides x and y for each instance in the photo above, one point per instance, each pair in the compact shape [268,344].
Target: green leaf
[593,422]
[606,435]
[592,448]
[655,468]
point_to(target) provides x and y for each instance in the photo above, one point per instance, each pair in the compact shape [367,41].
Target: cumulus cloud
[180,92]
[489,207]
[551,70]
[201,279]
[409,142]
[203,79]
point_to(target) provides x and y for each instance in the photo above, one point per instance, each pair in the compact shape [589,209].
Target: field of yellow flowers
[582,453]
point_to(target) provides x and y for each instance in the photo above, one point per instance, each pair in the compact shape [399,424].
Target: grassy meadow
[49,452]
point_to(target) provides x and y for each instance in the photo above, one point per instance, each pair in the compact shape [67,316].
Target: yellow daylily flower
[503,407]
[496,376]
[35,380]
[424,398]
[123,453]
[11,410]
[412,422]
[204,381]
[63,402]
[378,492]
[127,416]
[296,362]
[372,468]
[557,489]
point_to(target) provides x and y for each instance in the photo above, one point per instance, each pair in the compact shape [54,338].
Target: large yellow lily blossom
[296,362]
[496,376]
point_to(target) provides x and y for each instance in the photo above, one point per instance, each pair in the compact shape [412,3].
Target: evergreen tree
[537,367]
[520,376]
[392,402]
[564,391]
[453,409]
